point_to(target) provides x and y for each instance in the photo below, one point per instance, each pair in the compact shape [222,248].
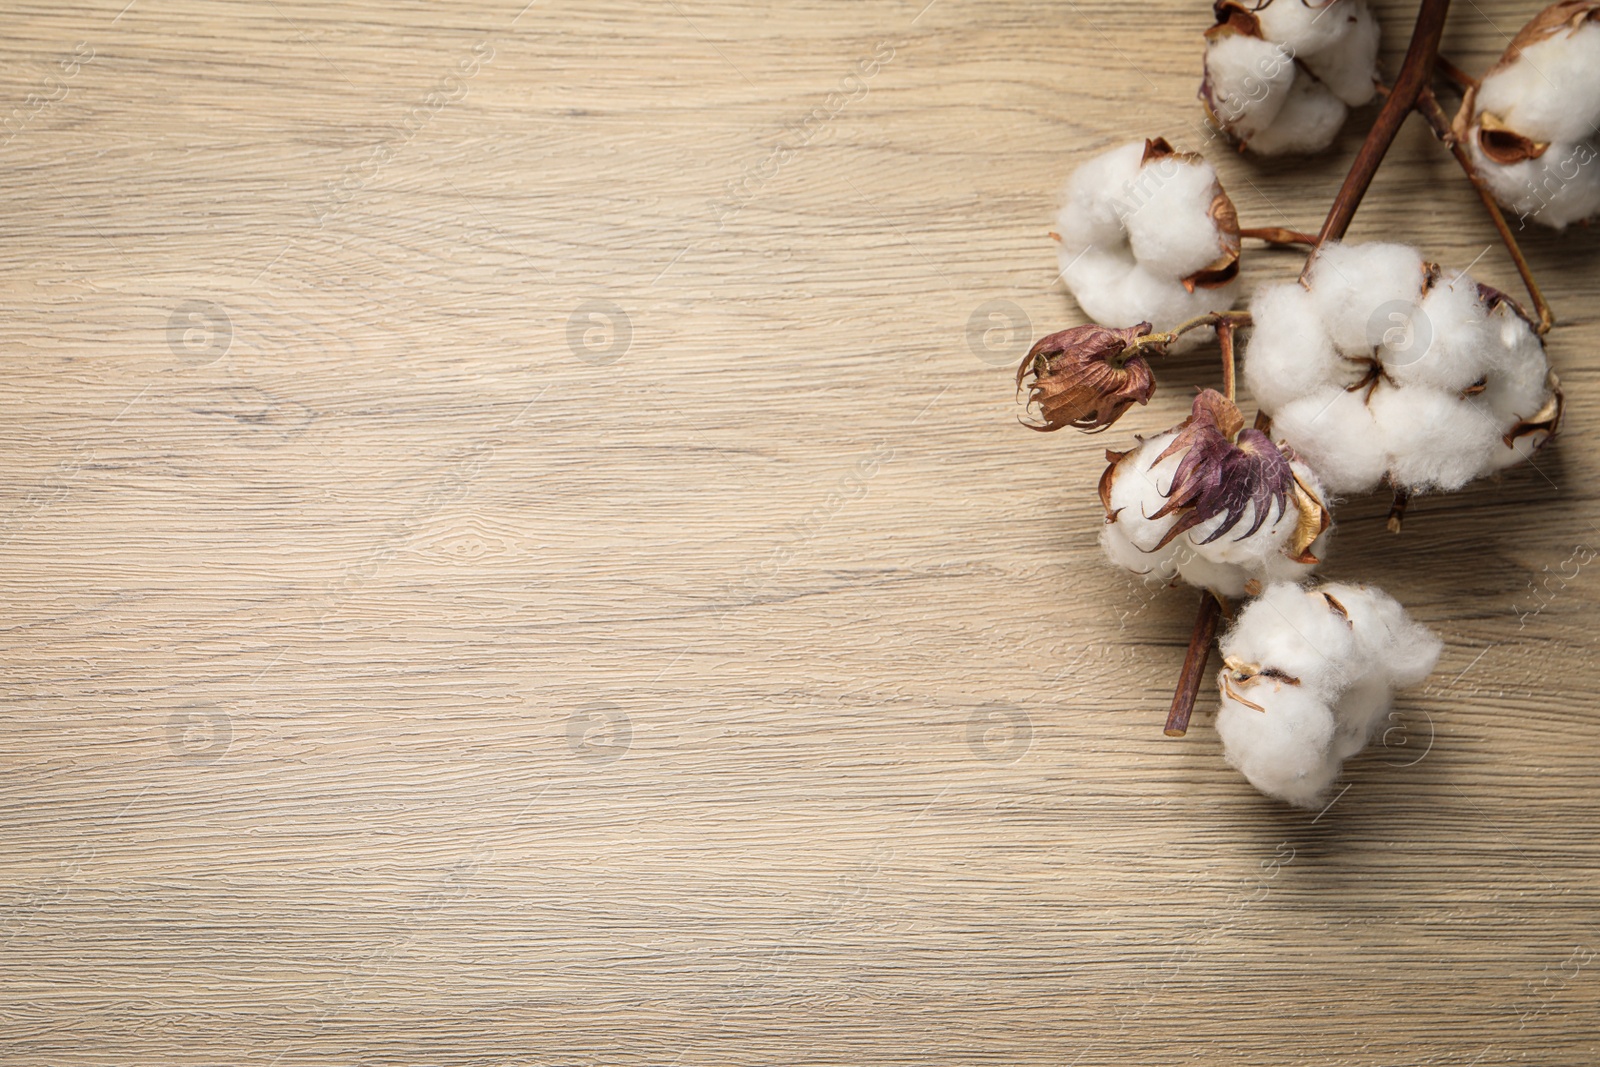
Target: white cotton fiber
[1133,232]
[1449,346]
[1334,432]
[1558,188]
[1544,102]
[1249,81]
[1228,565]
[1551,91]
[1434,377]
[1348,66]
[1354,287]
[1287,86]
[1307,122]
[1167,235]
[1435,440]
[1308,679]
[1283,751]
[1289,353]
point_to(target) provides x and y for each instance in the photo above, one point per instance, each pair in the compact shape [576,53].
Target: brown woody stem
[1428,107]
[1277,235]
[1454,74]
[1194,665]
[1397,510]
[1225,342]
[1415,73]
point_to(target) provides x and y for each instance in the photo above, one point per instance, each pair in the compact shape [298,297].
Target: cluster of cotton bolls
[1385,367]
[1215,504]
[1308,676]
[1148,235]
[1281,76]
[1532,125]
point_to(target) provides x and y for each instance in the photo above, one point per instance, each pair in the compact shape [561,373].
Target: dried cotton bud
[1281,76]
[1086,377]
[1385,367]
[1148,235]
[1213,503]
[1308,676]
[1531,125]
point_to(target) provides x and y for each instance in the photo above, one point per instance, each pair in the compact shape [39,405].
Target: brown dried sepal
[1546,421]
[1084,377]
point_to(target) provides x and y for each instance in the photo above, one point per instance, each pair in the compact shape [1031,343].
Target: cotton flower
[1384,367]
[1281,76]
[1213,503]
[1148,235]
[1532,126]
[1308,676]
[1086,377]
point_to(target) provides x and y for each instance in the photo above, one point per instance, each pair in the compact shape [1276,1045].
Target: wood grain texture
[512,557]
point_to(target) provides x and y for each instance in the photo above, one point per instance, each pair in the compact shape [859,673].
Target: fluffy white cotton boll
[1167,234]
[1307,122]
[1092,207]
[1391,644]
[1558,188]
[1296,632]
[1349,65]
[1551,91]
[1447,344]
[1355,285]
[1308,678]
[1307,29]
[1138,491]
[1161,564]
[1248,80]
[1137,223]
[1435,440]
[1289,354]
[1285,749]
[1335,433]
[1357,714]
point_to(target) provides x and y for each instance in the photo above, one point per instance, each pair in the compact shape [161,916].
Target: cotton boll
[1170,231]
[1284,750]
[1095,278]
[1249,550]
[1349,65]
[1558,188]
[1333,431]
[1120,550]
[1435,440]
[1388,641]
[1307,122]
[1551,91]
[1295,632]
[1247,80]
[1092,203]
[1357,714]
[1305,28]
[1223,579]
[1448,343]
[1289,354]
[1354,285]
[1520,384]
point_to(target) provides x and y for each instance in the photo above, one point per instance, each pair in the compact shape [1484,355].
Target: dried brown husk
[1084,377]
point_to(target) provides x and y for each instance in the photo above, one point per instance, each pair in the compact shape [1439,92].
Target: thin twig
[1454,74]
[1277,235]
[1415,73]
[1225,342]
[1397,510]
[1194,665]
[1428,107]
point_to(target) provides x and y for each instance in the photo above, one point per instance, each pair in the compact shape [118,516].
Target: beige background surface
[480,592]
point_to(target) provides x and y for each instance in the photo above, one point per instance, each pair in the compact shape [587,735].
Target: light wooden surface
[530,568]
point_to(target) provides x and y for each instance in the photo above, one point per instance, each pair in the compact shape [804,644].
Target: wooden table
[518,550]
